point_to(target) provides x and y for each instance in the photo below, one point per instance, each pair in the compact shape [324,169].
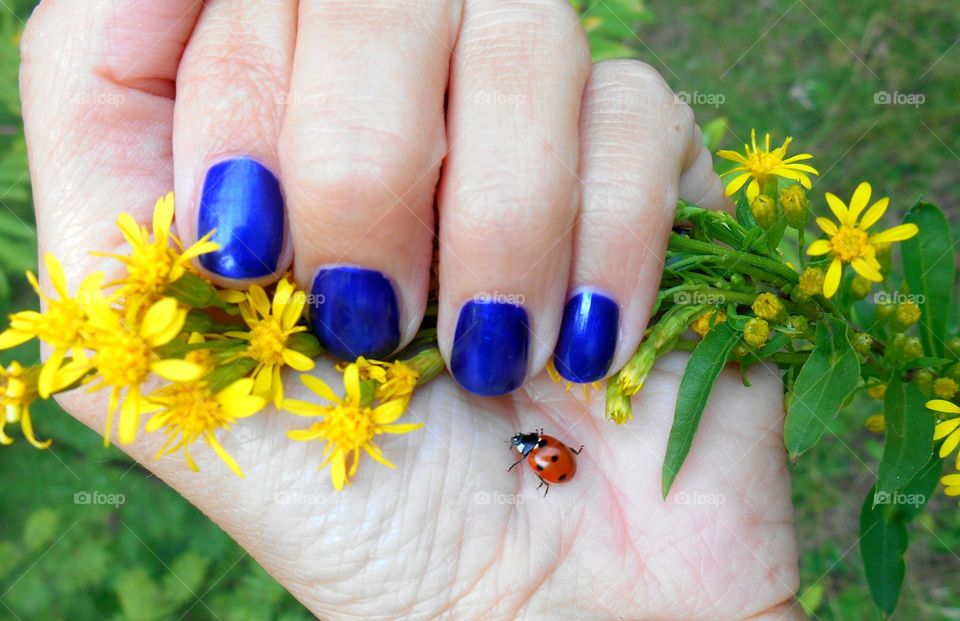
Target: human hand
[557,178]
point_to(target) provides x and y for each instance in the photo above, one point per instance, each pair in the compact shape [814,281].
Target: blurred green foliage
[808,69]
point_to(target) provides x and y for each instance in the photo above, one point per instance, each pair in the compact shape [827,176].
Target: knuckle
[632,82]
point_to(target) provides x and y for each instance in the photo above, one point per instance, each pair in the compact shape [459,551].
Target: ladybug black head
[525,442]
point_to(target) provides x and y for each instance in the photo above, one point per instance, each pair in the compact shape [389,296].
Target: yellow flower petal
[304,408]
[401,428]
[951,479]
[48,374]
[240,388]
[827,226]
[897,233]
[56,275]
[950,444]
[162,322]
[837,206]
[129,417]
[737,183]
[831,281]
[223,454]
[753,190]
[351,383]
[861,196]
[874,214]
[388,412]
[865,269]
[338,471]
[944,429]
[374,451]
[177,370]
[319,387]
[942,405]
[12,338]
[297,361]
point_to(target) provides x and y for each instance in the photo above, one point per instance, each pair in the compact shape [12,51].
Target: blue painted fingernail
[242,203]
[490,347]
[354,312]
[588,337]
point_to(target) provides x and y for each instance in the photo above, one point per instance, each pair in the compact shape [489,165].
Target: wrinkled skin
[450,533]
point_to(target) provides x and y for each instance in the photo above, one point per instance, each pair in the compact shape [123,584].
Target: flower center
[123,361]
[762,163]
[193,409]
[849,243]
[267,342]
[350,426]
[61,324]
[150,269]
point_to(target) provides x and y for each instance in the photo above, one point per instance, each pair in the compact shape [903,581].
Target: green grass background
[803,68]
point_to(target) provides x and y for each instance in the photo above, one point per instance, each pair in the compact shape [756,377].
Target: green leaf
[706,363]
[909,441]
[184,580]
[139,595]
[883,541]
[827,378]
[744,215]
[928,263]
[918,490]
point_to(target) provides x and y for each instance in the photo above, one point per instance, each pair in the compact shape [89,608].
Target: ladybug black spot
[539,468]
[554,458]
[542,443]
[563,477]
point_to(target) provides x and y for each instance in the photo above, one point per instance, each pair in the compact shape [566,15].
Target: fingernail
[490,347]
[354,312]
[588,337]
[242,203]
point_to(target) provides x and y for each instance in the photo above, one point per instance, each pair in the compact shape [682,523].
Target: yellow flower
[270,327]
[876,423]
[347,426]
[949,429]
[154,262]
[756,333]
[399,381]
[768,306]
[908,313]
[60,326]
[368,369]
[191,410]
[945,388]
[18,388]
[702,324]
[951,484]
[559,379]
[849,241]
[762,165]
[124,356]
[877,391]
[811,281]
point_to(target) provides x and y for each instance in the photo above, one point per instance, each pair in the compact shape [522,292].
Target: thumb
[97,83]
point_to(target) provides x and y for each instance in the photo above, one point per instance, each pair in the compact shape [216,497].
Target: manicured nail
[588,337]
[242,202]
[490,347]
[354,312]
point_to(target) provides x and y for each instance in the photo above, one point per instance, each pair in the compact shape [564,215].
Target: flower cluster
[162,341]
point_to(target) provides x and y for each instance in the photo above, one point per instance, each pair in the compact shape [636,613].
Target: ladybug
[552,460]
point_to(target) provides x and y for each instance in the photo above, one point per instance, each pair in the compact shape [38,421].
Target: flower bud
[756,332]
[764,210]
[944,388]
[908,313]
[768,306]
[924,381]
[862,343]
[618,407]
[953,345]
[877,391]
[428,364]
[860,287]
[709,319]
[876,423]
[811,281]
[954,372]
[796,207]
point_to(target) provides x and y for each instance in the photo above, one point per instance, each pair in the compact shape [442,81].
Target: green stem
[801,241]
[770,271]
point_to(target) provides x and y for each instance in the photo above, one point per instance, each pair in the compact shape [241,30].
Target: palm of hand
[452,533]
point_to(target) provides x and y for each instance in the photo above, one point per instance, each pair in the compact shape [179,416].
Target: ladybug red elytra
[552,460]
